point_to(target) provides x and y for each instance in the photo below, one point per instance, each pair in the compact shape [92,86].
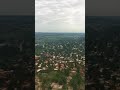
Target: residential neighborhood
[60,61]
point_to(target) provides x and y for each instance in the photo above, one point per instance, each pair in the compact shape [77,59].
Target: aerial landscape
[102,53]
[60,61]
[17,53]
[59,44]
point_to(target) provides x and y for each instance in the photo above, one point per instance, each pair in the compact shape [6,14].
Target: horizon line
[58,32]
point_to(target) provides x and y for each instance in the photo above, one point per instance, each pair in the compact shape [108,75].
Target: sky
[60,16]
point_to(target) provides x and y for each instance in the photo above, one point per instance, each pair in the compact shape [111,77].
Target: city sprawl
[60,61]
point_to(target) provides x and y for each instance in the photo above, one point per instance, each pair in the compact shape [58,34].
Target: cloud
[55,15]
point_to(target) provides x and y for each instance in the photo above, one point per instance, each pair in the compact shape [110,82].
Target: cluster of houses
[54,64]
[57,64]
[103,64]
[61,55]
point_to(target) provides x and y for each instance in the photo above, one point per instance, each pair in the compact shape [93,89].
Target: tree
[76,81]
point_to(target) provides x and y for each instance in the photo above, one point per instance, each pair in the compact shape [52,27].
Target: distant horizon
[58,32]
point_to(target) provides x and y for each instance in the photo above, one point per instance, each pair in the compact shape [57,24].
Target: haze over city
[60,16]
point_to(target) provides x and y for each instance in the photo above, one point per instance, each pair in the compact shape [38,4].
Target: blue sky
[60,15]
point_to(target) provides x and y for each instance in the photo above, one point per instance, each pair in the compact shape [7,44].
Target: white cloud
[60,15]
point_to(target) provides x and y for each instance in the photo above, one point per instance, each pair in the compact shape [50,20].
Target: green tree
[76,81]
